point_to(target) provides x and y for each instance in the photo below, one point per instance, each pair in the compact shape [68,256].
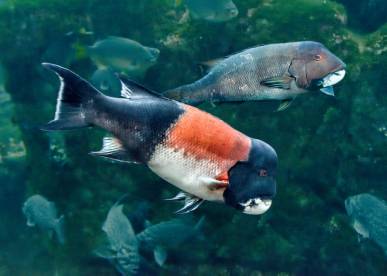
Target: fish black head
[315,67]
[252,183]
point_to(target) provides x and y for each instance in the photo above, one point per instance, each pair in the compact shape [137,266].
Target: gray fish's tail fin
[59,229]
[184,94]
[74,95]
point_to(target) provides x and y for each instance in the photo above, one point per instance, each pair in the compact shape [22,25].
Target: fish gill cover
[329,148]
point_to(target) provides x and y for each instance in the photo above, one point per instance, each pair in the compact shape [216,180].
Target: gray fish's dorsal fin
[209,64]
[133,90]
[113,149]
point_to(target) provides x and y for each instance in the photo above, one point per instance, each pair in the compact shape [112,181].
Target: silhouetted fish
[42,213]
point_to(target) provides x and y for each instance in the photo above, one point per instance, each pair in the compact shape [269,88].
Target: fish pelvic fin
[160,255]
[74,97]
[59,229]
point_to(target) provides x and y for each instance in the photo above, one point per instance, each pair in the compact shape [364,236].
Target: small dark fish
[105,80]
[122,250]
[271,72]
[168,234]
[369,217]
[189,148]
[42,213]
[123,55]
[213,11]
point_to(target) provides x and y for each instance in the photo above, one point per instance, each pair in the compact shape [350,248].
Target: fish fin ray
[282,82]
[191,202]
[113,149]
[133,90]
[284,104]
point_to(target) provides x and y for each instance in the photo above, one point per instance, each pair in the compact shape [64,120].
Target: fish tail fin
[184,94]
[59,229]
[74,97]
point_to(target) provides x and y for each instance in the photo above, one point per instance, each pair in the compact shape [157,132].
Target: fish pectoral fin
[160,255]
[284,104]
[282,82]
[214,184]
[113,149]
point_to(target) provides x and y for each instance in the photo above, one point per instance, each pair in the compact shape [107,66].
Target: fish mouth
[331,79]
[256,206]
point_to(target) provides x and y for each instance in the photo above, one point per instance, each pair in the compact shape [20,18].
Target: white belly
[185,172]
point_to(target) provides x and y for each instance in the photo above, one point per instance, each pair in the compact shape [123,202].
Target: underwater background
[329,148]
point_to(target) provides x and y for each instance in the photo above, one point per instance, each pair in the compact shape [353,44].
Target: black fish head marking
[252,183]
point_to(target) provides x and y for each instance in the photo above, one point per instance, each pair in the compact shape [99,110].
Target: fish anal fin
[113,149]
[284,104]
[282,82]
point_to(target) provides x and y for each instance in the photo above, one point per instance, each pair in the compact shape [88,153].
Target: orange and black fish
[198,153]
[279,71]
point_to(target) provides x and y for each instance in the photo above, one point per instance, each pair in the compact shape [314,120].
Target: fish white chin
[256,206]
[333,78]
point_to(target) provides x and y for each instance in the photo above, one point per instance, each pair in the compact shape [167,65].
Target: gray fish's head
[316,68]
[252,184]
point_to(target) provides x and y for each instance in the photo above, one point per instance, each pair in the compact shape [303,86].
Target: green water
[329,148]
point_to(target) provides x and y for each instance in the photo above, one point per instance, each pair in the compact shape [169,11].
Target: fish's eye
[262,172]
[317,57]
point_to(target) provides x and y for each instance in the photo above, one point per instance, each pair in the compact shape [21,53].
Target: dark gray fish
[122,250]
[213,11]
[168,234]
[42,213]
[369,217]
[271,72]
[105,80]
[123,55]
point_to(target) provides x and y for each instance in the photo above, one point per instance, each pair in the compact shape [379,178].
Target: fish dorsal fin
[133,90]
[113,149]
[209,64]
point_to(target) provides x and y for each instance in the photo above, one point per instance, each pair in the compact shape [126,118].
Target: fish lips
[248,192]
[325,84]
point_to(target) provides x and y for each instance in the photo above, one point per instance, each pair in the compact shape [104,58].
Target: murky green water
[329,148]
